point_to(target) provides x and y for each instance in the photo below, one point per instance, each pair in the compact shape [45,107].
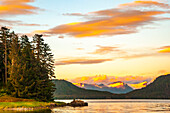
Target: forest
[26,66]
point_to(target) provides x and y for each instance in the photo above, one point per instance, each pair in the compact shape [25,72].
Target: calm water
[119,106]
[113,106]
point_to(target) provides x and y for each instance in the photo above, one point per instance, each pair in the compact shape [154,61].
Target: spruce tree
[45,68]
[15,84]
[2,70]
[5,41]
[27,70]
[30,66]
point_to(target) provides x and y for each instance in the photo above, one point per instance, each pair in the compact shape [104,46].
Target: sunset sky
[94,39]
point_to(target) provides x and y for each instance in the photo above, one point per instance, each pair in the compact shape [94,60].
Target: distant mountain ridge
[66,90]
[114,87]
[159,89]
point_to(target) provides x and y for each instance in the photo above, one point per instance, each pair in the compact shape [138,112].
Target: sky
[99,40]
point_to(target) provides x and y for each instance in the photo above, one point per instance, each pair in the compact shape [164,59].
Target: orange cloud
[139,85]
[80,48]
[100,78]
[147,3]
[104,50]
[16,7]
[165,49]
[81,61]
[115,21]
[110,79]
[138,55]
[16,23]
[162,72]
[79,84]
[117,85]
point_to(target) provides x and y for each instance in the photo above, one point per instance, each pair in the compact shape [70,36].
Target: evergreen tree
[5,40]
[2,70]
[28,61]
[44,68]
[25,83]
[30,66]
[15,80]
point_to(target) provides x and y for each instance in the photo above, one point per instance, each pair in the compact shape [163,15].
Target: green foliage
[5,40]
[3,92]
[1,63]
[30,67]
[44,65]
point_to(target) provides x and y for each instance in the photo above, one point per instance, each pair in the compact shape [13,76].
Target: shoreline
[8,103]
[23,108]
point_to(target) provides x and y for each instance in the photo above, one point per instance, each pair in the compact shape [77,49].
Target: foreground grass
[4,105]
[7,98]
[7,101]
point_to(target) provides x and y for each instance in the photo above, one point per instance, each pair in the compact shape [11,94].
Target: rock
[78,103]
[53,105]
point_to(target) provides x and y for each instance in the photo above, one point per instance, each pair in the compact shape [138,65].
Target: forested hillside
[160,88]
[25,66]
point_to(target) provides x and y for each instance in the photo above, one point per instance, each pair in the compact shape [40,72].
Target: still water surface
[113,106]
[119,106]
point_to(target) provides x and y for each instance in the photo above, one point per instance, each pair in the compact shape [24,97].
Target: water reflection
[119,106]
[112,106]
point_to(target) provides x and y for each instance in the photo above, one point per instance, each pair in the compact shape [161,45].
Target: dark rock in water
[53,105]
[78,103]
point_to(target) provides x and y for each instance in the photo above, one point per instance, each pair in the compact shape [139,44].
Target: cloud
[164,49]
[16,7]
[135,82]
[61,36]
[162,72]
[109,79]
[80,48]
[139,85]
[81,61]
[122,20]
[74,14]
[147,3]
[102,50]
[105,50]
[16,23]
[138,55]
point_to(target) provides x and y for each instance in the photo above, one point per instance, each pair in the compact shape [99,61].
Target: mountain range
[114,87]
[158,89]
[66,90]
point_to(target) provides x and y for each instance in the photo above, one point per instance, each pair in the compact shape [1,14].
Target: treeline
[26,67]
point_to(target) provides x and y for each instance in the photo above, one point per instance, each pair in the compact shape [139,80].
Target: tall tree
[45,68]
[22,82]
[15,67]
[2,70]
[5,38]
[30,66]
